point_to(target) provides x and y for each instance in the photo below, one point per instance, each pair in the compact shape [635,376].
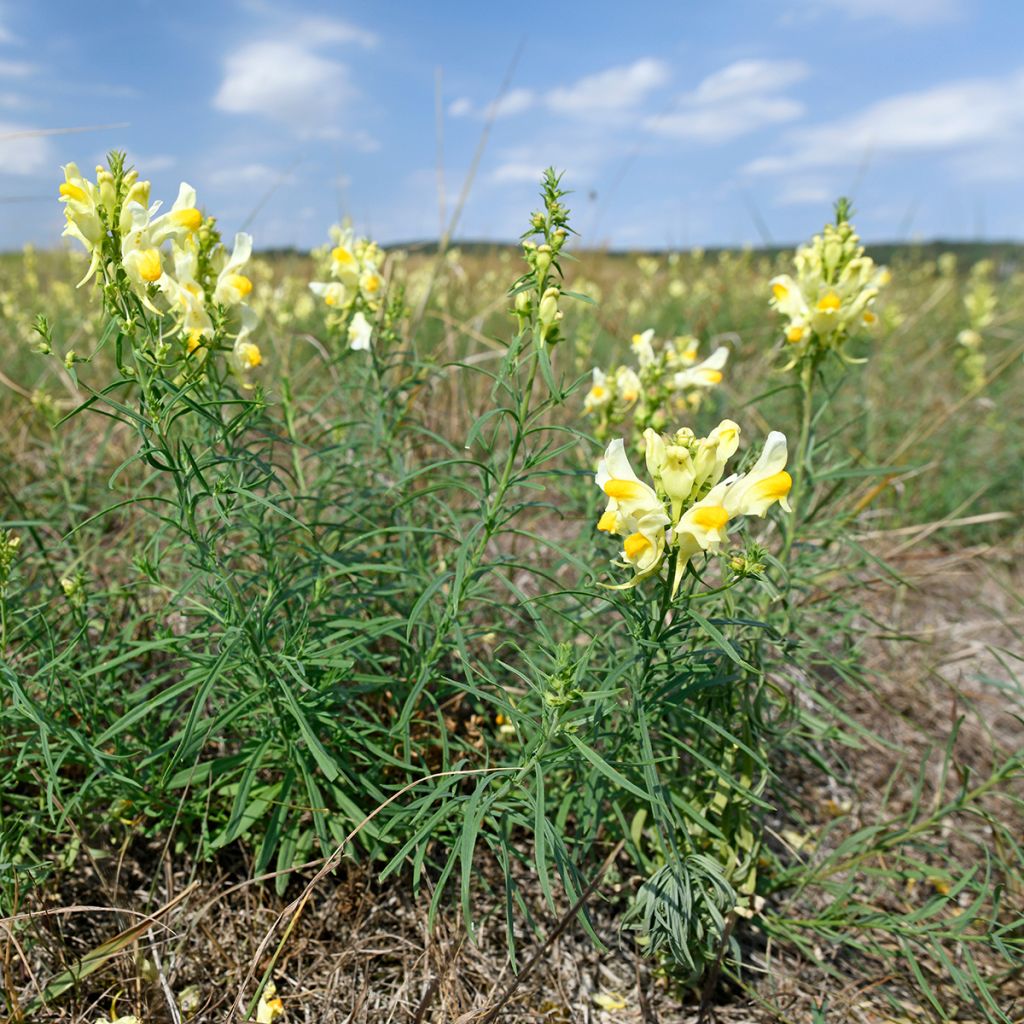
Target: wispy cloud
[615,90]
[285,79]
[515,101]
[734,101]
[251,174]
[16,68]
[803,193]
[22,152]
[963,116]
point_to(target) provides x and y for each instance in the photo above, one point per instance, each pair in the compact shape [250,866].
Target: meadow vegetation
[540,581]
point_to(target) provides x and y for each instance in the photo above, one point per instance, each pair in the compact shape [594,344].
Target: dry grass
[366,953]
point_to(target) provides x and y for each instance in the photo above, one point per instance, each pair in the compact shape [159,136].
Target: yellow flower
[600,394]
[703,526]
[643,348]
[766,483]
[344,263]
[233,286]
[627,384]
[182,219]
[248,354]
[704,375]
[672,466]
[360,330]
[714,451]
[371,283]
[627,494]
[81,200]
[185,293]
[270,1006]
[334,293]
[634,512]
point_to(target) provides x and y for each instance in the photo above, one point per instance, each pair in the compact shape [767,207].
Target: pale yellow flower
[233,287]
[767,481]
[704,375]
[600,394]
[360,331]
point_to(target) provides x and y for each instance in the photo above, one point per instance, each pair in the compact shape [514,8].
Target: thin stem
[801,468]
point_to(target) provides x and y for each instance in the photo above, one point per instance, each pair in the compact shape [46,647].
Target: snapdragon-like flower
[197,280]
[689,508]
[830,295]
[233,287]
[665,376]
[600,394]
[704,375]
[354,291]
[82,210]
[360,331]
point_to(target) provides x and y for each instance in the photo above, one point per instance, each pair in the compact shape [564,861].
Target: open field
[315,669]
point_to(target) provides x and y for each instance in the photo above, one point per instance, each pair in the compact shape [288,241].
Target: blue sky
[677,122]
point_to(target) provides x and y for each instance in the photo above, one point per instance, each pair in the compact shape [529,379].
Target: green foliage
[358,603]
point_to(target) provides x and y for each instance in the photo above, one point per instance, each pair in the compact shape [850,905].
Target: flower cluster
[666,376]
[980,304]
[831,295]
[688,509]
[199,282]
[355,289]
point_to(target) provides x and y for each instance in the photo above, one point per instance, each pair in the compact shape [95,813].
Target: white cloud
[515,101]
[22,152]
[517,172]
[803,193]
[323,31]
[253,174]
[749,77]
[614,90]
[16,68]
[736,100]
[965,117]
[285,79]
[904,12]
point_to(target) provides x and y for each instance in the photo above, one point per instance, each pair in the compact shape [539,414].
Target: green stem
[801,468]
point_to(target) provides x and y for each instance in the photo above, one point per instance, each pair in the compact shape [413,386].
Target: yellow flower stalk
[830,295]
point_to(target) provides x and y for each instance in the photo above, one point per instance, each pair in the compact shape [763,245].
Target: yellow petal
[774,487]
[73,192]
[635,545]
[623,490]
[607,522]
[710,517]
[189,218]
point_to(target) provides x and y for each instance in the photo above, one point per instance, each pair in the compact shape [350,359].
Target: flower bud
[543,260]
[108,191]
[548,312]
